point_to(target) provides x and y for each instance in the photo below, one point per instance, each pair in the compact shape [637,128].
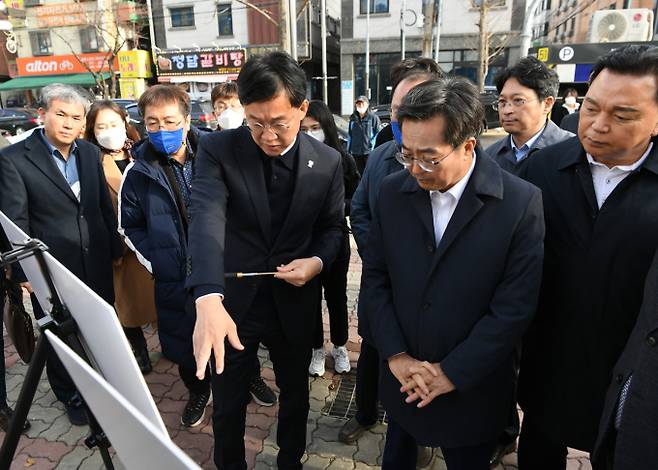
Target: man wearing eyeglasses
[154,205]
[450,281]
[266,199]
[527,93]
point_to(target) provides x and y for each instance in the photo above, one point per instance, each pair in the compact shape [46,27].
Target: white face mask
[317,134]
[230,119]
[362,109]
[570,100]
[112,139]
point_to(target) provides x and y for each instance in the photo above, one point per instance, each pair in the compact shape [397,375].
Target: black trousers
[3,380]
[401,452]
[135,336]
[367,385]
[361,161]
[537,450]
[231,388]
[334,282]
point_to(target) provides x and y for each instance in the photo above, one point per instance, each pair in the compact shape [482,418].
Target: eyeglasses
[516,103]
[277,128]
[407,161]
[155,126]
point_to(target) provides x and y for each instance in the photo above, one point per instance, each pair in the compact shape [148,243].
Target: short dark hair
[635,60]
[457,99]
[423,66]
[264,76]
[224,90]
[164,94]
[531,73]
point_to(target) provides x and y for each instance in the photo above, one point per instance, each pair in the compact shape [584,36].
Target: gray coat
[503,153]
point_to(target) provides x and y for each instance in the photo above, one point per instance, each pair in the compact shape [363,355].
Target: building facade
[458,50]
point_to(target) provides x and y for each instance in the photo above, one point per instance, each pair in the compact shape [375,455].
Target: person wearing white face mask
[226,106]
[363,129]
[569,106]
[319,124]
[107,128]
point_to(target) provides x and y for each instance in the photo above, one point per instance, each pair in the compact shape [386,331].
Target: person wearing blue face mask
[154,216]
[380,164]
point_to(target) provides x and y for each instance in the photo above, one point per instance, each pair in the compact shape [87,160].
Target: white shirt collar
[623,168]
[531,141]
[458,188]
[287,149]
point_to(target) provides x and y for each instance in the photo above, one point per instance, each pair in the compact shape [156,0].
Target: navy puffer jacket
[154,228]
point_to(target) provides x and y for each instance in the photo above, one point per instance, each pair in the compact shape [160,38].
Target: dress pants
[367,385]
[3,380]
[231,387]
[538,451]
[361,161]
[334,282]
[60,381]
[401,452]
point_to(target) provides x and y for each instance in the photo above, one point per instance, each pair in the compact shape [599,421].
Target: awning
[25,83]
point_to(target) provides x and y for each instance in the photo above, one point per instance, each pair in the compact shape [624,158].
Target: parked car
[342,126]
[202,115]
[15,121]
[488,98]
[135,119]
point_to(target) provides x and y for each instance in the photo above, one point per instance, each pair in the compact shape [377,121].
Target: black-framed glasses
[407,160]
[515,103]
[154,126]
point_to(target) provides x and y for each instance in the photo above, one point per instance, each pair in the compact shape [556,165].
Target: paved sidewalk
[52,443]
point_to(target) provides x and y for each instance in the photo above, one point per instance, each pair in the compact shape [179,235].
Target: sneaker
[6,414]
[195,409]
[261,393]
[316,368]
[341,359]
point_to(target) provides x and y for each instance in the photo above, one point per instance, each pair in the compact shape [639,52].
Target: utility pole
[428,27]
[284,26]
[403,7]
[368,49]
[149,11]
[526,33]
[439,20]
[484,44]
[292,12]
[323,35]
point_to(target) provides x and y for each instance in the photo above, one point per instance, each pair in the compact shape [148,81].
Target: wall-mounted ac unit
[634,24]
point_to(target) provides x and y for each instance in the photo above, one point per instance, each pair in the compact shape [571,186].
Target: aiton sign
[62,64]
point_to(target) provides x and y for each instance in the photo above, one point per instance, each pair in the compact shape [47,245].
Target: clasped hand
[420,380]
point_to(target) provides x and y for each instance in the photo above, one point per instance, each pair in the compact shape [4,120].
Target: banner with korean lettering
[200,62]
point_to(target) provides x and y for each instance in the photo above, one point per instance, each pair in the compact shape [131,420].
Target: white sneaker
[341,359]
[317,363]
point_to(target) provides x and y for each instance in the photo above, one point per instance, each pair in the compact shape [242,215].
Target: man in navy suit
[53,187]
[266,198]
[451,279]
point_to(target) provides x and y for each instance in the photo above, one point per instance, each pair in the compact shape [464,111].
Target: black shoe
[501,451]
[261,393]
[195,409]
[143,360]
[352,430]
[6,414]
[76,411]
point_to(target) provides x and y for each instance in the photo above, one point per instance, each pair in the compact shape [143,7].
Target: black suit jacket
[636,445]
[230,229]
[464,304]
[595,266]
[82,235]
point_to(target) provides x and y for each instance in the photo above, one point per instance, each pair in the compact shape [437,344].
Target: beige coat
[133,284]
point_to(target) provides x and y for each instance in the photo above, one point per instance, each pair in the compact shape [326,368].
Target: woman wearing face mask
[319,124]
[569,106]
[107,128]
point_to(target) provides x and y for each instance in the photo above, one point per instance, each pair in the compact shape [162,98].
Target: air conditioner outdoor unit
[634,24]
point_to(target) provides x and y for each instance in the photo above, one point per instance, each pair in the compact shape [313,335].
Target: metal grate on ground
[343,405]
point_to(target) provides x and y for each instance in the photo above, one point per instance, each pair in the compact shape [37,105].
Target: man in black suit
[53,187]
[450,281]
[629,423]
[599,192]
[266,198]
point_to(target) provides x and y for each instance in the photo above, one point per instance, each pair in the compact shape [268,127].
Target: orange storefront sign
[62,64]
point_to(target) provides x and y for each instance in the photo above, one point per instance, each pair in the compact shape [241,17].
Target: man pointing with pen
[266,198]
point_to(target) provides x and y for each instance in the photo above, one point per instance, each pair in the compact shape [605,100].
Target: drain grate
[344,404]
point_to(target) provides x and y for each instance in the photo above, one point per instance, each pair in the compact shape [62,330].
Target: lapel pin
[311,163]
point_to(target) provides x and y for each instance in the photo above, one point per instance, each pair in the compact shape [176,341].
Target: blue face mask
[166,142]
[397,132]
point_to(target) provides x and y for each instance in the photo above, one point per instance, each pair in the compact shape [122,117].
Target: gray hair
[65,93]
